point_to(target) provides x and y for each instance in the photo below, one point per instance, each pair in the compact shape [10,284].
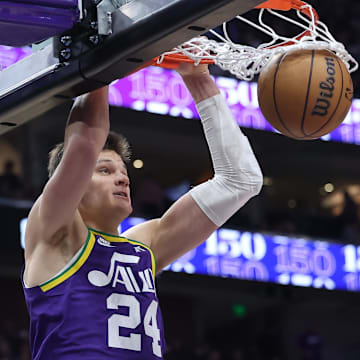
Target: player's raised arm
[237,175]
[85,135]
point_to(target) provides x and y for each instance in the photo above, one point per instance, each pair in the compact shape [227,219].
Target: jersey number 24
[132,321]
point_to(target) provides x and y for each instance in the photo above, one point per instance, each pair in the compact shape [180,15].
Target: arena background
[222,311]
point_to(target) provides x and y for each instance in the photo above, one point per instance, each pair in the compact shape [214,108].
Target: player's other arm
[85,135]
[237,177]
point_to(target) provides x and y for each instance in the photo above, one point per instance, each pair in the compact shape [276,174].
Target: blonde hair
[114,141]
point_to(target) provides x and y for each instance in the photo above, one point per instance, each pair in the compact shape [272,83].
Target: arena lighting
[138,164]
[329,187]
[267,258]
[161,91]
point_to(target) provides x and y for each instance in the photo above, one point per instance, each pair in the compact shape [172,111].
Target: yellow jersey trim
[115,238]
[83,256]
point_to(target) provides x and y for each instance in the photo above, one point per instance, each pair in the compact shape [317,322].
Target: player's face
[109,188]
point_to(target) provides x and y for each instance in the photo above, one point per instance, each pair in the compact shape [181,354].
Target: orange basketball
[305,94]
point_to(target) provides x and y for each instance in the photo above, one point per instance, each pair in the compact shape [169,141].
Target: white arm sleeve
[237,173]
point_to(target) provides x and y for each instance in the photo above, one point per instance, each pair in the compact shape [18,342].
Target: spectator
[10,183]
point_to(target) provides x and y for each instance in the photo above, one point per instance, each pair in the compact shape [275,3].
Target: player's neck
[105,227]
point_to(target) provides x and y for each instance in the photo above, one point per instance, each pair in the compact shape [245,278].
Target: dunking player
[91,293]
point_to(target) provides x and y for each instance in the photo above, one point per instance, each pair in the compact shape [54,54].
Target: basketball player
[90,292]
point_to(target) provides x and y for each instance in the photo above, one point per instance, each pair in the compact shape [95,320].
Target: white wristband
[237,173]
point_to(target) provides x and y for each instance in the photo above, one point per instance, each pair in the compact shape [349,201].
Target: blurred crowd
[14,345]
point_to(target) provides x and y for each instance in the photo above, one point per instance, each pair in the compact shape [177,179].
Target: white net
[246,61]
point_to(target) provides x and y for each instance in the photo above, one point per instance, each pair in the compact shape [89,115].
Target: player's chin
[124,208]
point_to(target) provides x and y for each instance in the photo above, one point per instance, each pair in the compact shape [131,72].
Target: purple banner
[162,91]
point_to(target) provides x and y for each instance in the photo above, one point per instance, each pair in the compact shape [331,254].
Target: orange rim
[173,61]
[288,5]
[276,5]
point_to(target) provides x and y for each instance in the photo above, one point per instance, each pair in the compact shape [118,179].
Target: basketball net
[245,61]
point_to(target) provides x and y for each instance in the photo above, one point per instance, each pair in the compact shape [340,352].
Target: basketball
[305,94]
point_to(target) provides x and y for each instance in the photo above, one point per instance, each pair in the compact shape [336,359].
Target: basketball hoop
[245,61]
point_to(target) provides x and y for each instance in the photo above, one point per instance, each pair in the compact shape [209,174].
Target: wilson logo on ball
[322,103]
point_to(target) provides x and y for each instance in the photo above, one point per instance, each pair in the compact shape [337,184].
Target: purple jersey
[102,306]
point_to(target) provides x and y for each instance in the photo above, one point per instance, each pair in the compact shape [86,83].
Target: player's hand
[190,69]
[186,69]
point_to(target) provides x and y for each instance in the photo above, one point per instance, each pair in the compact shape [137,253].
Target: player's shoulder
[143,232]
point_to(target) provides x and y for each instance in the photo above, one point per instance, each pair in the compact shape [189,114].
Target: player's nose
[122,180]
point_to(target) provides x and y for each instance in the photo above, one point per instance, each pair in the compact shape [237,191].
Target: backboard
[112,39]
